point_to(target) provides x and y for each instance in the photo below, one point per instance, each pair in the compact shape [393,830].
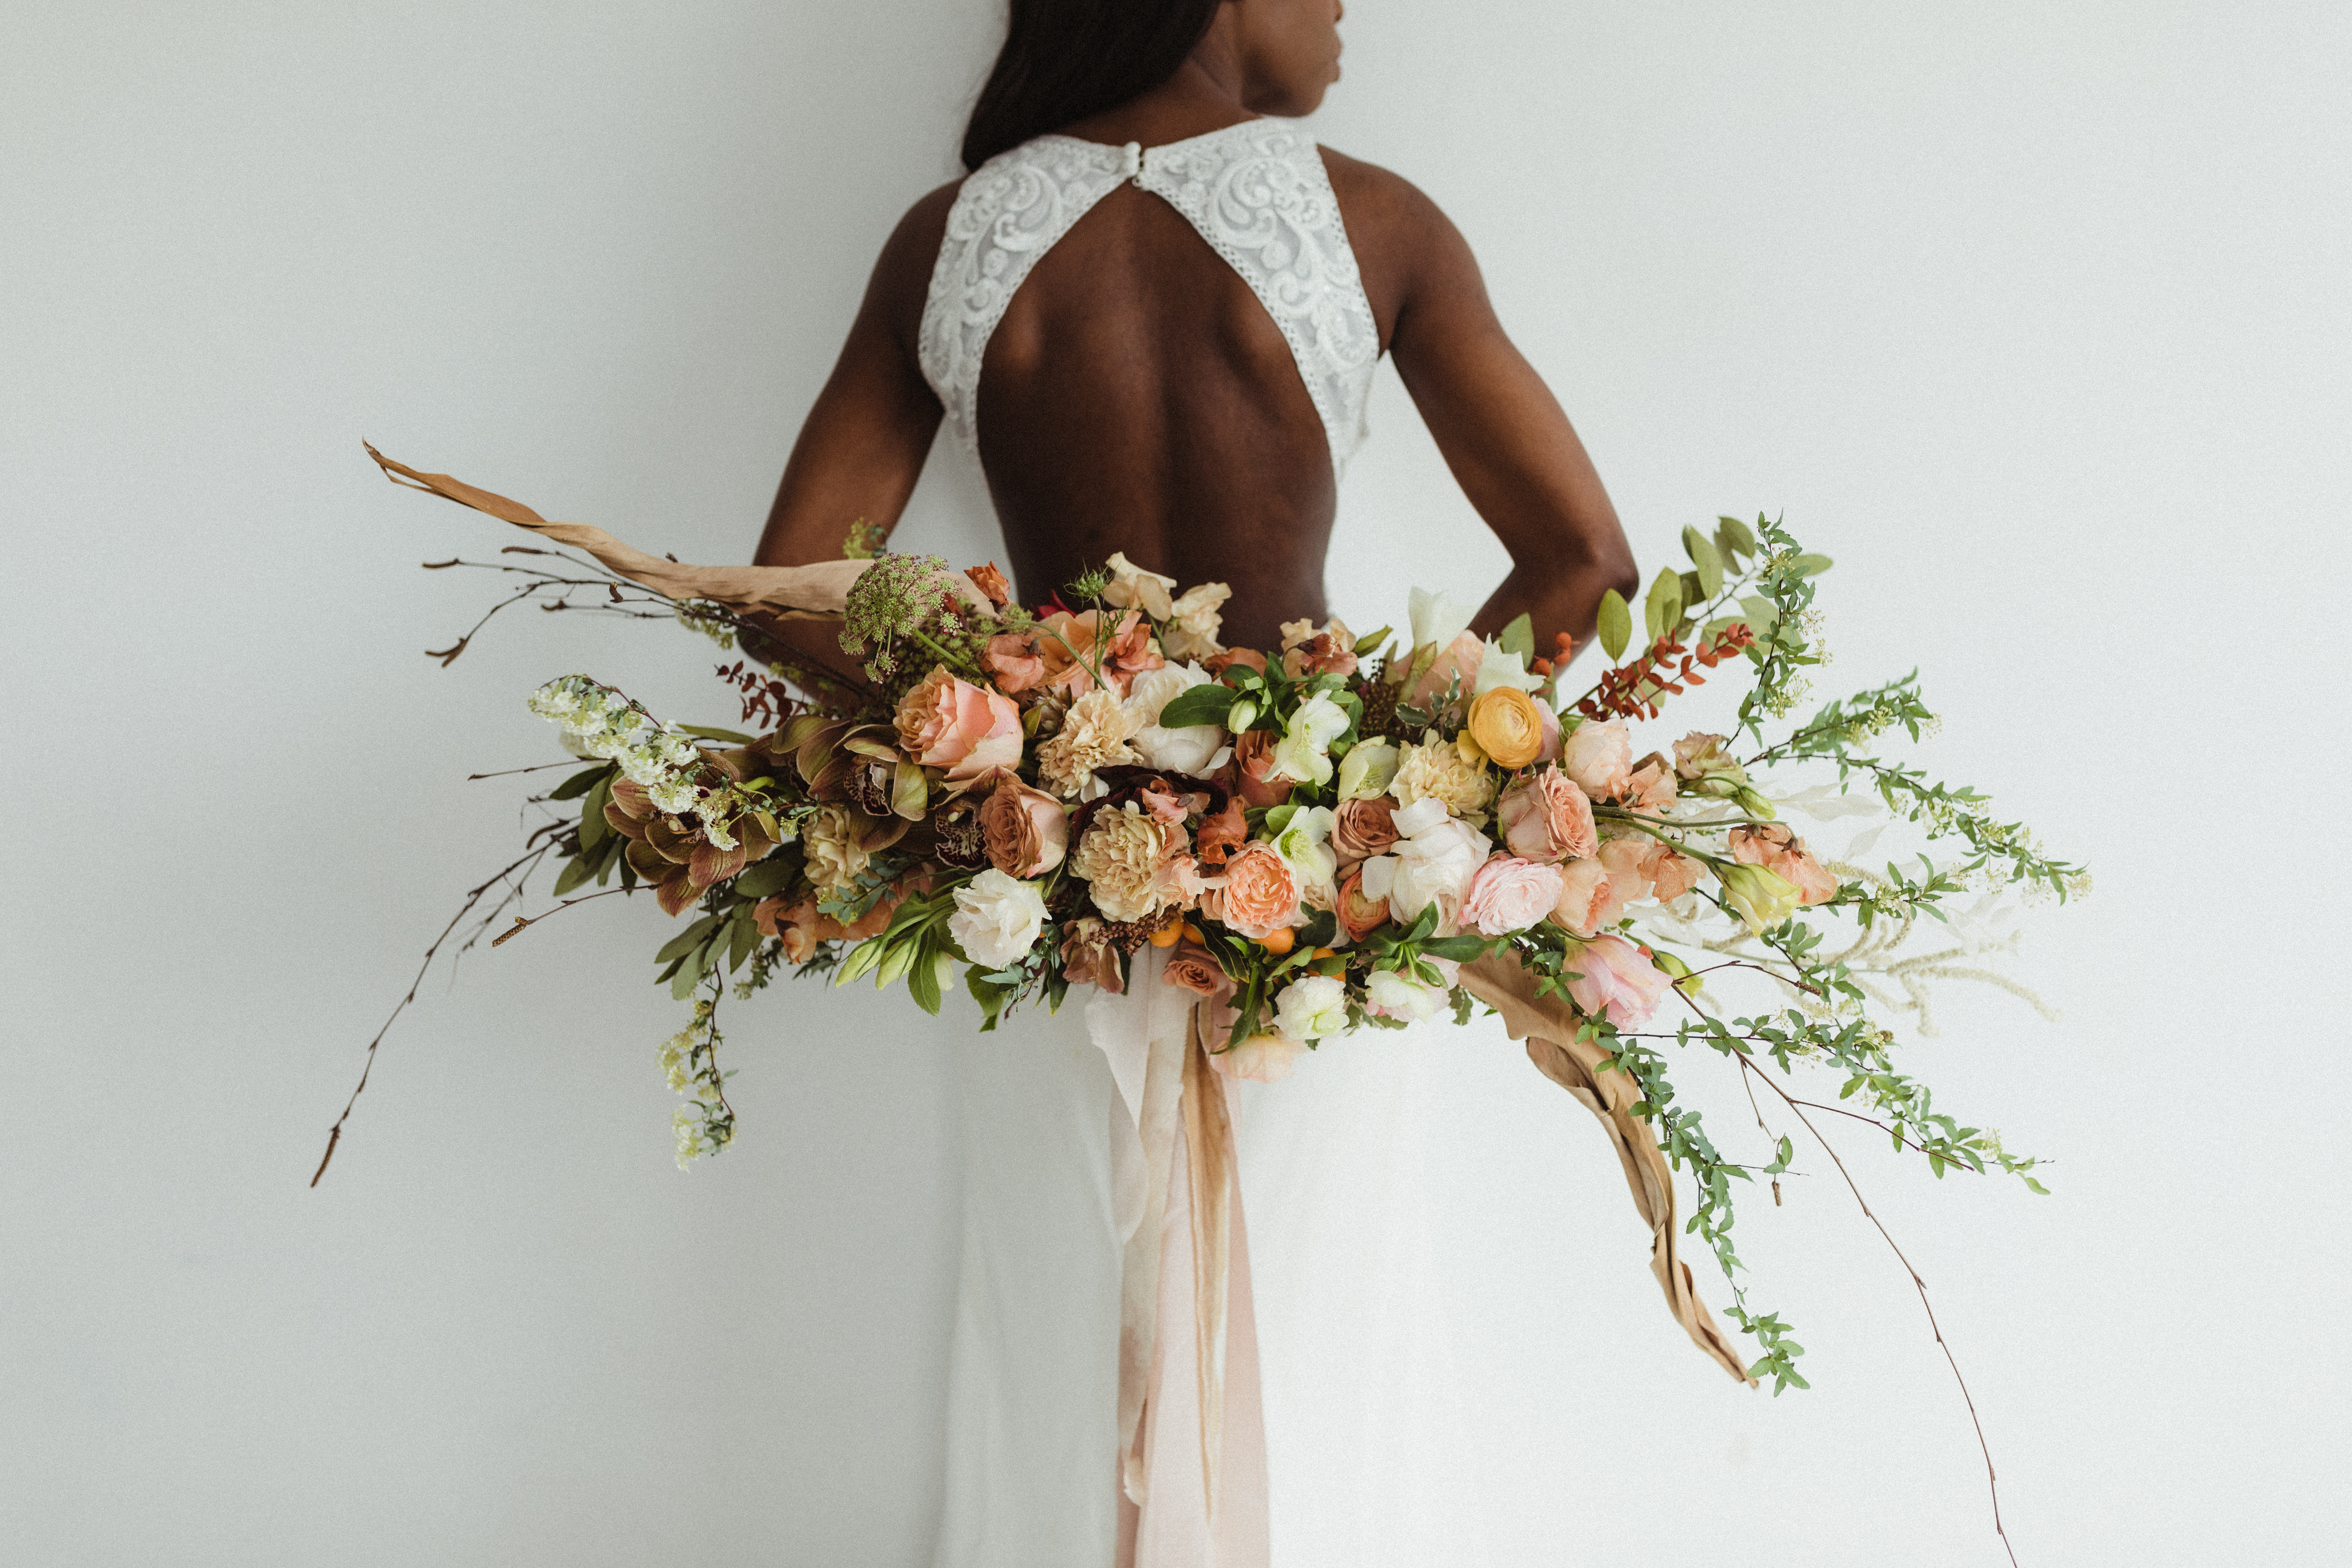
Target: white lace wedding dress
[1362,1461]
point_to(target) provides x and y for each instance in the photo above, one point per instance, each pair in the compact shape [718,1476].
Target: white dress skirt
[1364,1446]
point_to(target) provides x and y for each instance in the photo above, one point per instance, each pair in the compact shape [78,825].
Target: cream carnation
[1094,734]
[829,840]
[1119,859]
[1447,772]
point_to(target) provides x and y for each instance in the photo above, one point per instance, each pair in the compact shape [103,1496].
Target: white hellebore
[1304,846]
[1313,1008]
[1190,750]
[997,918]
[1303,754]
[1435,858]
[1436,619]
[1393,995]
[1368,770]
[1499,668]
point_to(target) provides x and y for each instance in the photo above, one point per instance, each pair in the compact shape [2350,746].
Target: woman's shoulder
[1405,243]
[1379,200]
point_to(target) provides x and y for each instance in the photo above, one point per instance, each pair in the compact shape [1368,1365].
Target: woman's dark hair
[1065,59]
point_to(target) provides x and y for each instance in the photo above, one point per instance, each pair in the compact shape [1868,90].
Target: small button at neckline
[1131,159]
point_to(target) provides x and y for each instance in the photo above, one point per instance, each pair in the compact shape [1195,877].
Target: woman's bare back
[1137,395]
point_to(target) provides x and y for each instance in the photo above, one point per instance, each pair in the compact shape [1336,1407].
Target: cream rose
[1387,994]
[1599,757]
[1188,750]
[997,920]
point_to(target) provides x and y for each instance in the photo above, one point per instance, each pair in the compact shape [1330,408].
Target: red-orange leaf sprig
[1633,690]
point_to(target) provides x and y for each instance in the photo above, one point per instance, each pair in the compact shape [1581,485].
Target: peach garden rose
[946,723]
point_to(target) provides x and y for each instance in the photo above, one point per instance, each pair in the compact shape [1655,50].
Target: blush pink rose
[1583,896]
[1599,757]
[1260,895]
[1509,894]
[1457,660]
[1261,1059]
[1617,979]
[1782,852]
[948,723]
[1545,817]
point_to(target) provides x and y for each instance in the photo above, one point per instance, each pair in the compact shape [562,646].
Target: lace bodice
[1257,191]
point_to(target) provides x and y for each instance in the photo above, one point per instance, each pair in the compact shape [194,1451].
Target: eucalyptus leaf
[765,879]
[1735,537]
[1707,559]
[1810,565]
[575,871]
[708,733]
[743,937]
[1762,614]
[594,827]
[1520,637]
[1663,606]
[1616,625]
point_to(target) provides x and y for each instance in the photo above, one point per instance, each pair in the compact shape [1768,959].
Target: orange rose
[1253,758]
[1508,727]
[1261,893]
[1359,917]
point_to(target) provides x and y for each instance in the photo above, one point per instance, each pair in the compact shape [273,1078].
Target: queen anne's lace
[1258,194]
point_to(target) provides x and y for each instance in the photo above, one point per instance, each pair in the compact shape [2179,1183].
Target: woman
[1171,308]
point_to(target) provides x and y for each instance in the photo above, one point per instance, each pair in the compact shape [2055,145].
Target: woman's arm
[863,445]
[1502,432]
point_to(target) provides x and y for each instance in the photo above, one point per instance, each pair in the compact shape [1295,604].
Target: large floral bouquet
[1343,833]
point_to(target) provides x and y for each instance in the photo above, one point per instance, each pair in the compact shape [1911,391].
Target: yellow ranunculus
[1507,727]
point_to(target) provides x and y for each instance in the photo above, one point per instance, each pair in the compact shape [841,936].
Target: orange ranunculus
[1507,726]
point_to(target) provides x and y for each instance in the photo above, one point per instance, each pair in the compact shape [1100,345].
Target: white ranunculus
[1435,865]
[1312,1009]
[1368,770]
[1392,996]
[1436,619]
[1190,750]
[997,918]
[1303,755]
[1497,667]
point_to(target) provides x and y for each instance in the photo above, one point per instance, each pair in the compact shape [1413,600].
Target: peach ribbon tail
[815,591]
[1202,1444]
[1550,1028]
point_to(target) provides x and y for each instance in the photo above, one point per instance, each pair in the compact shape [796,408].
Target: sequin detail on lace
[1256,192]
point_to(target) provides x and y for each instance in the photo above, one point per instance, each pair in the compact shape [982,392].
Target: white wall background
[2032,314]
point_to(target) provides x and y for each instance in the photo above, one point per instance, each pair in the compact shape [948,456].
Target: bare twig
[473,899]
[522,925]
[1993,1478]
